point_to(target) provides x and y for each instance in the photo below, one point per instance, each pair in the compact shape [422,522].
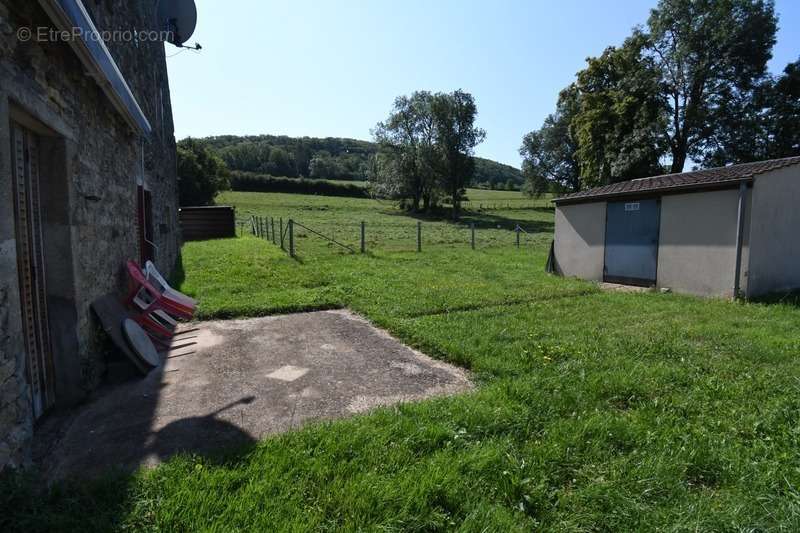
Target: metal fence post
[472,231]
[419,236]
[363,243]
[291,238]
[282,247]
[517,230]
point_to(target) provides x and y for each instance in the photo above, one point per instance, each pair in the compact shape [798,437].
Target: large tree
[706,50]
[619,116]
[406,139]
[548,154]
[692,84]
[427,147]
[784,113]
[201,173]
[456,138]
[763,123]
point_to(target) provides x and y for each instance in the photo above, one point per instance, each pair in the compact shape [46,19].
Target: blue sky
[332,68]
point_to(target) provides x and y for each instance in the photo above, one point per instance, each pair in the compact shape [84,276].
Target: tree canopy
[692,84]
[548,155]
[201,174]
[332,158]
[426,149]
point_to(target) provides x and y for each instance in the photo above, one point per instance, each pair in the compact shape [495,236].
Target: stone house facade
[87,181]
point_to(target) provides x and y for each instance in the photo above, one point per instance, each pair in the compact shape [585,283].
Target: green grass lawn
[594,410]
[386,227]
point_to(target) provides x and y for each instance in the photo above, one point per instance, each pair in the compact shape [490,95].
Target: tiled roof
[697,179]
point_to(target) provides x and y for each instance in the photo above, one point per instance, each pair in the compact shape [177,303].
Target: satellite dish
[178,18]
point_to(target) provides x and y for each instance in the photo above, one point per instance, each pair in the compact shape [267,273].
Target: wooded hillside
[327,158]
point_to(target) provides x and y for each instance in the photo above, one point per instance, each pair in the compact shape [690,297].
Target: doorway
[25,150]
[144,212]
[631,250]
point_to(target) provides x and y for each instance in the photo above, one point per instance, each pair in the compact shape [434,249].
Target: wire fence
[296,237]
[507,204]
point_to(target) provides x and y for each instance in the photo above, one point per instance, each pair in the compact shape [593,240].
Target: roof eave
[93,53]
[695,187]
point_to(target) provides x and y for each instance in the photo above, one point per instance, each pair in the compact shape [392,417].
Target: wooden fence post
[472,231]
[282,247]
[419,236]
[517,230]
[272,223]
[291,238]
[363,243]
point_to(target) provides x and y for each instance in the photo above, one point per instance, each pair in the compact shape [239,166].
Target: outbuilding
[729,231]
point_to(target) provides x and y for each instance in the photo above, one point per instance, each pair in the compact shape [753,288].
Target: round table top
[140,343]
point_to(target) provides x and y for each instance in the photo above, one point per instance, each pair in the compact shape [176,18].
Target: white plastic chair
[155,277]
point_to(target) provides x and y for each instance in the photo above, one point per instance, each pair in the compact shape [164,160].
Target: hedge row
[250,182]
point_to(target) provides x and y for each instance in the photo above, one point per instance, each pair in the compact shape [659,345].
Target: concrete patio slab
[240,381]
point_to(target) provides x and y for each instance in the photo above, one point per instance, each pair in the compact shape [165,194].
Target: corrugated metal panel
[199,223]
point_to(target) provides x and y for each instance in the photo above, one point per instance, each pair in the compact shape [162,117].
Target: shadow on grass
[791,298]
[100,497]
[481,219]
[178,275]
[494,221]
[538,208]
[236,313]
[28,503]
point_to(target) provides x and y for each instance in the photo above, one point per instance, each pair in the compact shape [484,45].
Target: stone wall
[102,160]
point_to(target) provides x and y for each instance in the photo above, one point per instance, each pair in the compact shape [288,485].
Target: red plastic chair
[153,308]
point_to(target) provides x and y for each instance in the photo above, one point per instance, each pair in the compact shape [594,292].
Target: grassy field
[595,411]
[386,227]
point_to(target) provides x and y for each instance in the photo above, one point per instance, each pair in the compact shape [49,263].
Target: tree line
[426,150]
[294,157]
[692,84]
[331,158]
[268,163]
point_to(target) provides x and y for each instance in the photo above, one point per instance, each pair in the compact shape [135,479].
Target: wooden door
[31,267]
